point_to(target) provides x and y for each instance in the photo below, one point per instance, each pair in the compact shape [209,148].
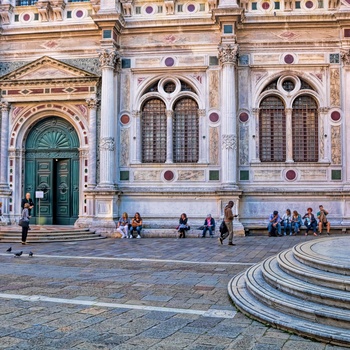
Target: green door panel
[52,166]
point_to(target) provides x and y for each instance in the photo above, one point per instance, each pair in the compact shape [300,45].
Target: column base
[238,228]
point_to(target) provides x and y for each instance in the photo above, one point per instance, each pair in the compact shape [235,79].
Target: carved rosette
[92,103]
[228,53]
[108,58]
[107,144]
[229,141]
[5,106]
[345,56]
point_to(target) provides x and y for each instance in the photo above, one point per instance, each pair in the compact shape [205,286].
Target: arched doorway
[52,166]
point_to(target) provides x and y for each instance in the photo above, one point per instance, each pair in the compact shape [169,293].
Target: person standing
[25,225]
[28,200]
[209,225]
[322,217]
[228,219]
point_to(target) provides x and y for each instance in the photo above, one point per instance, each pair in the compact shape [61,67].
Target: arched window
[154,133]
[305,129]
[185,131]
[272,130]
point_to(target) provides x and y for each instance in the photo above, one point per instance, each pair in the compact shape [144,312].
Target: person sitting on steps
[274,224]
[323,222]
[183,227]
[310,222]
[209,225]
[136,225]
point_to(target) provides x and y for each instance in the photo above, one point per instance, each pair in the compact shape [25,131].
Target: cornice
[91,81]
[168,70]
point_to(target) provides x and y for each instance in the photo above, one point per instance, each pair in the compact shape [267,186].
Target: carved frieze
[313,174]
[335,87]
[146,175]
[191,175]
[228,53]
[267,175]
[229,141]
[336,144]
[345,56]
[107,144]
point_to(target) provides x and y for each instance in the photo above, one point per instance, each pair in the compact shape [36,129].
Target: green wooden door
[52,166]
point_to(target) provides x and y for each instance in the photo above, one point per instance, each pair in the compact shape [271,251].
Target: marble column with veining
[289,136]
[169,136]
[228,59]
[5,114]
[108,60]
[92,105]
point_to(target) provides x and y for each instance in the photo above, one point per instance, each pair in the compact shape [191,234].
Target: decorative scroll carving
[213,4]
[228,53]
[107,143]
[335,87]
[333,4]
[5,106]
[345,56]
[108,58]
[58,7]
[95,5]
[92,103]
[229,141]
[127,7]
[45,10]
[336,144]
[169,7]
[5,13]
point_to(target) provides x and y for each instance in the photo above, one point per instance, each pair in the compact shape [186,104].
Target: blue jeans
[287,227]
[207,228]
[296,227]
[312,226]
[277,227]
[137,229]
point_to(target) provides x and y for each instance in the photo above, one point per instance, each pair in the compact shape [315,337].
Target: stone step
[291,285]
[322,256]
[252,307]
[311,311]
[289,264]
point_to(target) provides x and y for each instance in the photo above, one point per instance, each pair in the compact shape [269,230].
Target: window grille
[26,2]
[169,87]
[305,85]
[271,86]
[186,131]
[185,87]
[288,85]
[305,130]
[272,130]
[154,132]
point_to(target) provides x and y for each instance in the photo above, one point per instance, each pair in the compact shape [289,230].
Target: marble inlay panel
[262,59]
[124,147]
[267,175]
[336,145]
[146,175]
[214,146]
[243,144]
[313,174]
[125,92]
[191,175]
[214,89]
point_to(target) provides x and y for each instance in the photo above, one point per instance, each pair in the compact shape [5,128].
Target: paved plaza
[135,294]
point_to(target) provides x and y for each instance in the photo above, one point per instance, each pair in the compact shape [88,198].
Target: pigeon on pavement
[9,250]
[31,254]
[19,253]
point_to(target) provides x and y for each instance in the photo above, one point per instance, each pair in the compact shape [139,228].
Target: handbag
[23,223]
[223,228]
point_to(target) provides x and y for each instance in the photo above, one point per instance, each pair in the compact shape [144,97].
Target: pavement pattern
[135,294]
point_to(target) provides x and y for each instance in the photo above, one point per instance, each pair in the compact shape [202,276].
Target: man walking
[228,218]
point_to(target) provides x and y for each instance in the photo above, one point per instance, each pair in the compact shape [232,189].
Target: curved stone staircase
[47,233]
[304,290]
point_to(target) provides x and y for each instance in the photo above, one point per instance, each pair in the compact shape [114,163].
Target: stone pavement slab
[135,294]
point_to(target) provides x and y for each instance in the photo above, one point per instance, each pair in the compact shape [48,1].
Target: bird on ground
[31,254]
[19,253]
[9,250]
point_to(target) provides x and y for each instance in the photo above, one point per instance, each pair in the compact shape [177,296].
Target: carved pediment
[46,68]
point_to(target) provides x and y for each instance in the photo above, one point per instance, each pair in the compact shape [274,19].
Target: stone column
[138,135]
[289,136]
[5,108]
[92,104]
[108,60]
[169,136]
[228,58]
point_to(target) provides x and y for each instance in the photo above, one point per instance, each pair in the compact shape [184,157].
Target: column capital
[202,113]
[289,110]
[92,103]
[228,53]
[107,143]
[108,58]
[229,141]
[5,106]
[169,113]
[136,114]
[345,56]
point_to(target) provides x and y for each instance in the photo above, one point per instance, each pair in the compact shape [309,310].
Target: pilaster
[289,136]
[169,136]
[5,110]
[203,143]
[138,149]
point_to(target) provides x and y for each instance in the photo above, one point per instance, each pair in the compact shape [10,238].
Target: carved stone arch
[266,94]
